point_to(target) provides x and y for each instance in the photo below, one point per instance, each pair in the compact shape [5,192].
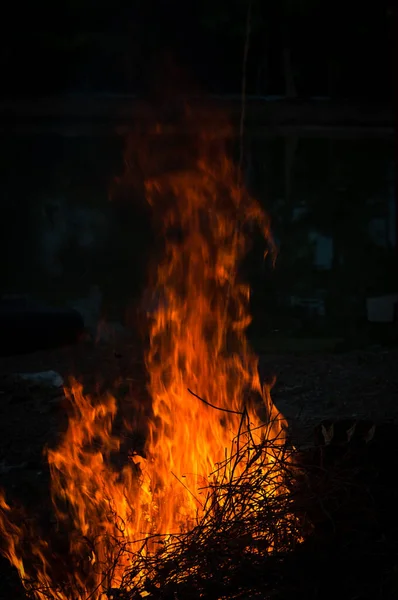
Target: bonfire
[209,493]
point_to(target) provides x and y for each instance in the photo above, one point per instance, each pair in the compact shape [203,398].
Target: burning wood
[216,500]
[213,473]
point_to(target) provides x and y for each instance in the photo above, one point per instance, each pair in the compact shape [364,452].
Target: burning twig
[246,517]
[186,487]
[227,410]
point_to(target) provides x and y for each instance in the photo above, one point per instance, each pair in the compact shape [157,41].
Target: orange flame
[197,342]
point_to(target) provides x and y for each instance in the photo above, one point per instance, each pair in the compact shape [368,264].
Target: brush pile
[247,520]
[318,523]
[326,529]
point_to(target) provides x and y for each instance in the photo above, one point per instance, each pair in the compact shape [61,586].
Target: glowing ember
[197,342]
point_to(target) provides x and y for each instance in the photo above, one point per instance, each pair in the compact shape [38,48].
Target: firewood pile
[315,522]
[331,531]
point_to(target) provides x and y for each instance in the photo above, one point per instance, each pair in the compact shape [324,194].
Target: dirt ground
[359,385]
[309,388]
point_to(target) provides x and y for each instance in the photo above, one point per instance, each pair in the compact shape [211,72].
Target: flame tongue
[198,332]
[197,342]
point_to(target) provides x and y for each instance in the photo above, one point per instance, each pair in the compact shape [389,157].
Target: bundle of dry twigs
[247,517]
[276,523]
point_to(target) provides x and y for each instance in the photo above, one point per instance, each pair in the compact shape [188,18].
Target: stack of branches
[277,523]
[245,528]
[320,522]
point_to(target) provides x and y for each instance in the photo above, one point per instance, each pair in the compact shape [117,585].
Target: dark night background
[79,78]
[337,48]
